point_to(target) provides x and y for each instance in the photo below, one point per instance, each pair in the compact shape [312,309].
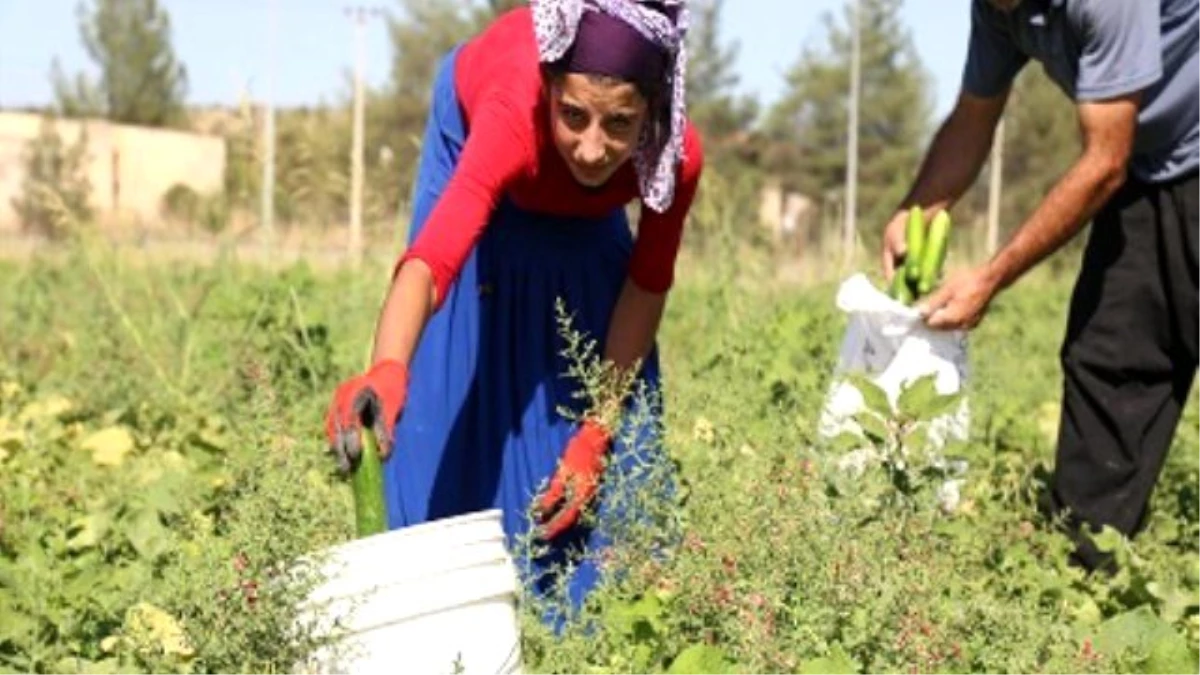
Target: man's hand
[895,245]
[960,302]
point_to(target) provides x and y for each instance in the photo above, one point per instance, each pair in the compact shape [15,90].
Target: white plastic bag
[887,343]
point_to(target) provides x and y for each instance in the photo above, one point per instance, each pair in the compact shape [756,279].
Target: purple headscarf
[556,24]
[606,45]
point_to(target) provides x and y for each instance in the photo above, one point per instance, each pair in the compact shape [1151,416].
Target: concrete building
[130,168]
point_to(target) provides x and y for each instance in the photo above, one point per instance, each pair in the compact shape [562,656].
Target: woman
[541,130]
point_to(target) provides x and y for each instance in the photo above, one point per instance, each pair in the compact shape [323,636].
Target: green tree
[55,190]
[806,129]
[141,81]
[715,108]
[313,177]
[1041,141]
[725,121]
[422,32]
[243,166]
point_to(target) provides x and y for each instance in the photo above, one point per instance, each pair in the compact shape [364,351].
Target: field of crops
[163,464]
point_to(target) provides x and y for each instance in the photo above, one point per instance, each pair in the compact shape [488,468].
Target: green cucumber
[369,514]
[901,290]
[934,255]
[914,239]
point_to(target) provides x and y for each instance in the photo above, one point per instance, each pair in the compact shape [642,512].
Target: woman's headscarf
[663,26]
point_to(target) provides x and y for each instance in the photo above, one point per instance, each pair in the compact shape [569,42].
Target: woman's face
[595,123]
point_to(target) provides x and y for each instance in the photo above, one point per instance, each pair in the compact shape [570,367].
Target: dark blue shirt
[1101,49]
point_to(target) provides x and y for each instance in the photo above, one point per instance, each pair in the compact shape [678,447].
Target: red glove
[575,482]
[376,399]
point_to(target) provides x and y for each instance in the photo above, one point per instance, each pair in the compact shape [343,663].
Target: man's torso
[1055,33]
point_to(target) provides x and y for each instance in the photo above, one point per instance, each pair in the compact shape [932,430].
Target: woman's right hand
[375,398]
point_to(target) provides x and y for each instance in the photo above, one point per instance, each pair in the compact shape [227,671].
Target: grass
[145,549]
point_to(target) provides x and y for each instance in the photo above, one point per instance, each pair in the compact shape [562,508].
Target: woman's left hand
[575,482]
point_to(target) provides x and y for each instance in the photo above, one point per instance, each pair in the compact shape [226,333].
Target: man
[1130,351]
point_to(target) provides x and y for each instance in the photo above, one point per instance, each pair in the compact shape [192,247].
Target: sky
[225,47]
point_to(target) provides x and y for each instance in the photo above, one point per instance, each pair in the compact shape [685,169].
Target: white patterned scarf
[555,23]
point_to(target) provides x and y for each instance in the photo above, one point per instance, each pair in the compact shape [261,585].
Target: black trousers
[1128,358]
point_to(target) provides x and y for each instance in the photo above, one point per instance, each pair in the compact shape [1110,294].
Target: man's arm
[1108,129]
[1121,54]
[953,161]
[958,152]
[962,143]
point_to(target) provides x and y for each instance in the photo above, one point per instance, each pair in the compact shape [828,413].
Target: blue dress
[481,428]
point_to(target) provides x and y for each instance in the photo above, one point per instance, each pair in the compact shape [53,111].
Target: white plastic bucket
[439,597]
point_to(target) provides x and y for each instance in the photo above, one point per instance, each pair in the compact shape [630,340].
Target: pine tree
[725,121]
[806,129]
[1041,140]
[1040,143]
[313,180]
[712,78]
[141,81]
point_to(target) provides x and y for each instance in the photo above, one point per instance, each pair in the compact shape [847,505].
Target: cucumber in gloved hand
[370,517]
[359,423]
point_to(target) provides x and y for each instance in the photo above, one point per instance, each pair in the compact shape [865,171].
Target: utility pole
[359,16]
[848,230]
[268,176]
[994,190]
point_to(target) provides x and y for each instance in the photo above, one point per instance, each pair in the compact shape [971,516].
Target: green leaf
[700,659]
[1143,634]
[917,439]
[147,534]
[837,662]
[644,657]
[72,664]
[87,583]
[873,426]
[88,531]
[167,494]
[1174,601]
[1109,539]
[875,398]
[10,576]
[640,621]
[110,446]
[845,442]
[920,400]
[17,627]
[1086,612]
[1191,573]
